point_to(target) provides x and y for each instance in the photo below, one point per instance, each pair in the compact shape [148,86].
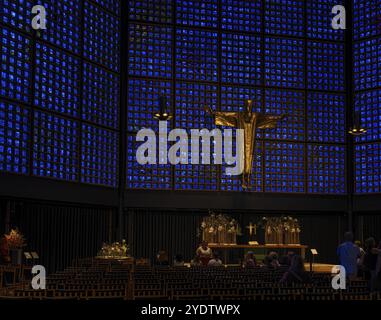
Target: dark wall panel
[176,231]
[61,233]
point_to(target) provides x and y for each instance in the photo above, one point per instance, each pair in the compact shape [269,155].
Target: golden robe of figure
[248,121]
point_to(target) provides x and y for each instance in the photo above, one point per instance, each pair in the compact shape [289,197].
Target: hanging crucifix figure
[249,121]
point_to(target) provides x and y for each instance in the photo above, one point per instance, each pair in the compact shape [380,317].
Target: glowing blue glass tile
[16,65]
[63,25]
[368,168]
[368,104]
[241,59]
[325,66]
[101,37]
[366,18]
[191,99]
[151,10]
[284,17]
[284,170]
[143,102]
[290,103]
[17,13]
[111,5]
[100,96]
[55,147]
[241,15]
[148,176]
[196,55]
[14,138]
[57,80]
[200,13]
[319,20]
[326,117]
[150,51]
[99,156]
[284,62]
[326,169]
[367,64]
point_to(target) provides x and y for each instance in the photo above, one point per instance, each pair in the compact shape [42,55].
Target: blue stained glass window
[101,37]
[14,138]
[319,20]
[367,18]
[368,168]
[284,170]
[17,13]
[284,17]
[191,98]
[326,169]
[201,13]
[16,67]
[241,15]
[369,105]
[190,101]
[366,64]
[55,147]
[326,117]
[63,25]
[325,66]
[234,182]
[150,49]
[290,103]
[196,55]
[100,96]
[57,80]
[111,5]
[280,69]
[233,98]
[151,10]
[99,156]
[148,176]
[241,59]
[143,102]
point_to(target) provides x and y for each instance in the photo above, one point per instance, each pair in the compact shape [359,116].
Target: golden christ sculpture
[249,121]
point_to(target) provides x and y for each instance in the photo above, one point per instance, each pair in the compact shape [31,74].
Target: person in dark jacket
[296,273]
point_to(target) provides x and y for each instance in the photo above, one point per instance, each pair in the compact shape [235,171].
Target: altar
[263,248]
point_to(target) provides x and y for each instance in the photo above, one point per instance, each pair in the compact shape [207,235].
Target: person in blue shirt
[348,254]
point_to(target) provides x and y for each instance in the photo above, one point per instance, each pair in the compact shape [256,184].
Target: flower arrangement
[15,239]
[281,230]
[219,228]
[115,250]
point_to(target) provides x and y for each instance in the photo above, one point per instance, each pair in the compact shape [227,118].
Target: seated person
[250,260]
[215,261]
[162,258]
[179,261]
[271,260]
[204,253]
[195,261]
[296,273]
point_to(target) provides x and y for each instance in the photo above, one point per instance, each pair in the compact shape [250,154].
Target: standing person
[204,253]
[348,254]
[370,262]
[360,260]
